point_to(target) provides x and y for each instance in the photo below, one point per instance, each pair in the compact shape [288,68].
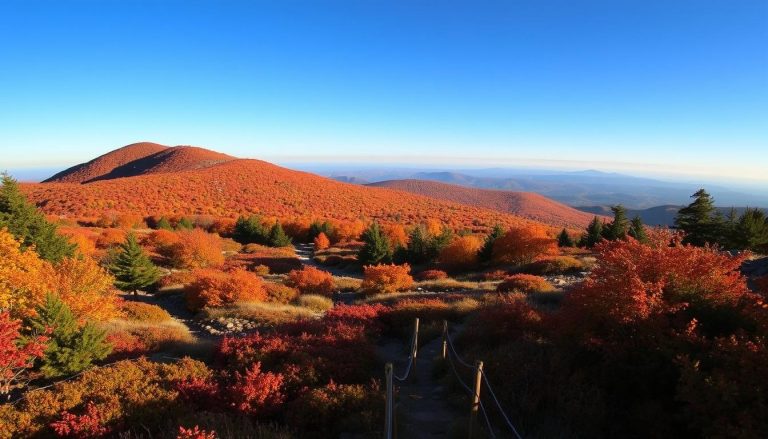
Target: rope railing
[390,376]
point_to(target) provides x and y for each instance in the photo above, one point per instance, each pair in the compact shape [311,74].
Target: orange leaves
[322,242]
[524,283]
[461,253]
[196,249]
[214,288]
[522,245]
[384,278]
[85,287]
[310,280]
[22,275]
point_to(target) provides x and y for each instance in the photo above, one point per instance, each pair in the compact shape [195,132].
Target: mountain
[580,188]
[166,182]
[658,215]
[140,159]
[524,204]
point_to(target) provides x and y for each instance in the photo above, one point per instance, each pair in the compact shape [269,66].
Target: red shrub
[524,283]
[87,425]
[110,238]
[195,433]
[310,280]
[126,345]
[214,288]
[16,355]
[433,275]
[522,245]
[255,392]
[385,278]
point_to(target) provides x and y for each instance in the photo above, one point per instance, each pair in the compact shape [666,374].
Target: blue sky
[650,86]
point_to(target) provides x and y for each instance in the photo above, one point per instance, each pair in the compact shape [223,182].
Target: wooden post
[445,339]
[389,405]
[415,347]
[475,399]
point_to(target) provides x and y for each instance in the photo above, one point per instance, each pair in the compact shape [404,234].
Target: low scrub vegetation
[386,278]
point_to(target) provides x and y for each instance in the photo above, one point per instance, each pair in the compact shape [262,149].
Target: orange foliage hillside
[242,186]
[140,159]
[525,204]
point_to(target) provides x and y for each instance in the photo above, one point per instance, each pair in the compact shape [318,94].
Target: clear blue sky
[618,84]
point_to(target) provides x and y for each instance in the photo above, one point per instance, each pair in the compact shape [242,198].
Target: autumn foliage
[16,354]
[387,278]
[214,288]
[321,242]
[523,245]
[524,283]
[461,253]
[310,280]
[22,277]
[196,249]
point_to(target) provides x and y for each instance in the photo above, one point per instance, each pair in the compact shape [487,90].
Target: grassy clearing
[264,313]
[315,302]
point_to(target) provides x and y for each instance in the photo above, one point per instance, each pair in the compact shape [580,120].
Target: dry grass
[264,313]
[346,284]
[450,284]
[171,336]
[315,302]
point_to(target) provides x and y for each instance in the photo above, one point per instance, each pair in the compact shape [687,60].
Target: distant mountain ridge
[524,204]
[656,216]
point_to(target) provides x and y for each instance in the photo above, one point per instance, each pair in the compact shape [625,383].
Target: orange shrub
[279,293]
[22,285]
[322,242]
[110,238]
[524,283]
[86,245]
[85,287]
[385,278]
[144,312]
[461,253]
[297,229]
[396,234]
[310,280]
[433,275]
[223,226]
[522,245]
[213,288]
[162,240]
[196,249]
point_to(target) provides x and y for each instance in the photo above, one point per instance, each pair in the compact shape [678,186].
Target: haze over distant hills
[578,189]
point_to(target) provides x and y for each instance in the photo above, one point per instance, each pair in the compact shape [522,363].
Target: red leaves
[255,392]
[87,425]
[195,433]
[16,356]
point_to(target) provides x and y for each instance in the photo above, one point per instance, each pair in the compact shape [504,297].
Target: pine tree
[71,348]
[163,224]
[376,249]
[277,236]
[132,268]
[564,239]
[486,251]
[418,246]
[617,229]
[751,231]
[26,223]
[637,230]
[439,242]
[250,230]
[700,220]
[317,228]
[594,232]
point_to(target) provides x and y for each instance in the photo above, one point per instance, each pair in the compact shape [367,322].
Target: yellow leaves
[85,287]
[21,277]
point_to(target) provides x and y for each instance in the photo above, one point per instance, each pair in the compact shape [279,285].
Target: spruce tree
[277,236]
[163,224]
[617,229]
[132,267]
[71,348]
[751,231]
[439,242]
[486,251]
[700,220]
[594,232]
[637,230]
[184,224]
[250,230]
[418,246]
[318,227]
[564,239]
[27,224]
[376,249]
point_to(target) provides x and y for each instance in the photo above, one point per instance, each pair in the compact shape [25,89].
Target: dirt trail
[422,409]
[305,253]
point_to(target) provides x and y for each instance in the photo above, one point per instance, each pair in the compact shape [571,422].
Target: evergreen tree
[700,220]
[26,223]
[564,239]
[486,251]
[751,231]
[163,224]
[71,348]
[250,230]
[637,230]
[594,232]
[617,229]
[439,242]
[277,236]
[418,246]
[318,227]
[184,224]
[376,249]
[132,267]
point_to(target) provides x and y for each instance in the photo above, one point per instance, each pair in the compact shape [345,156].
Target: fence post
[475,399]
[445,338]
[389,405]
[415,347]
